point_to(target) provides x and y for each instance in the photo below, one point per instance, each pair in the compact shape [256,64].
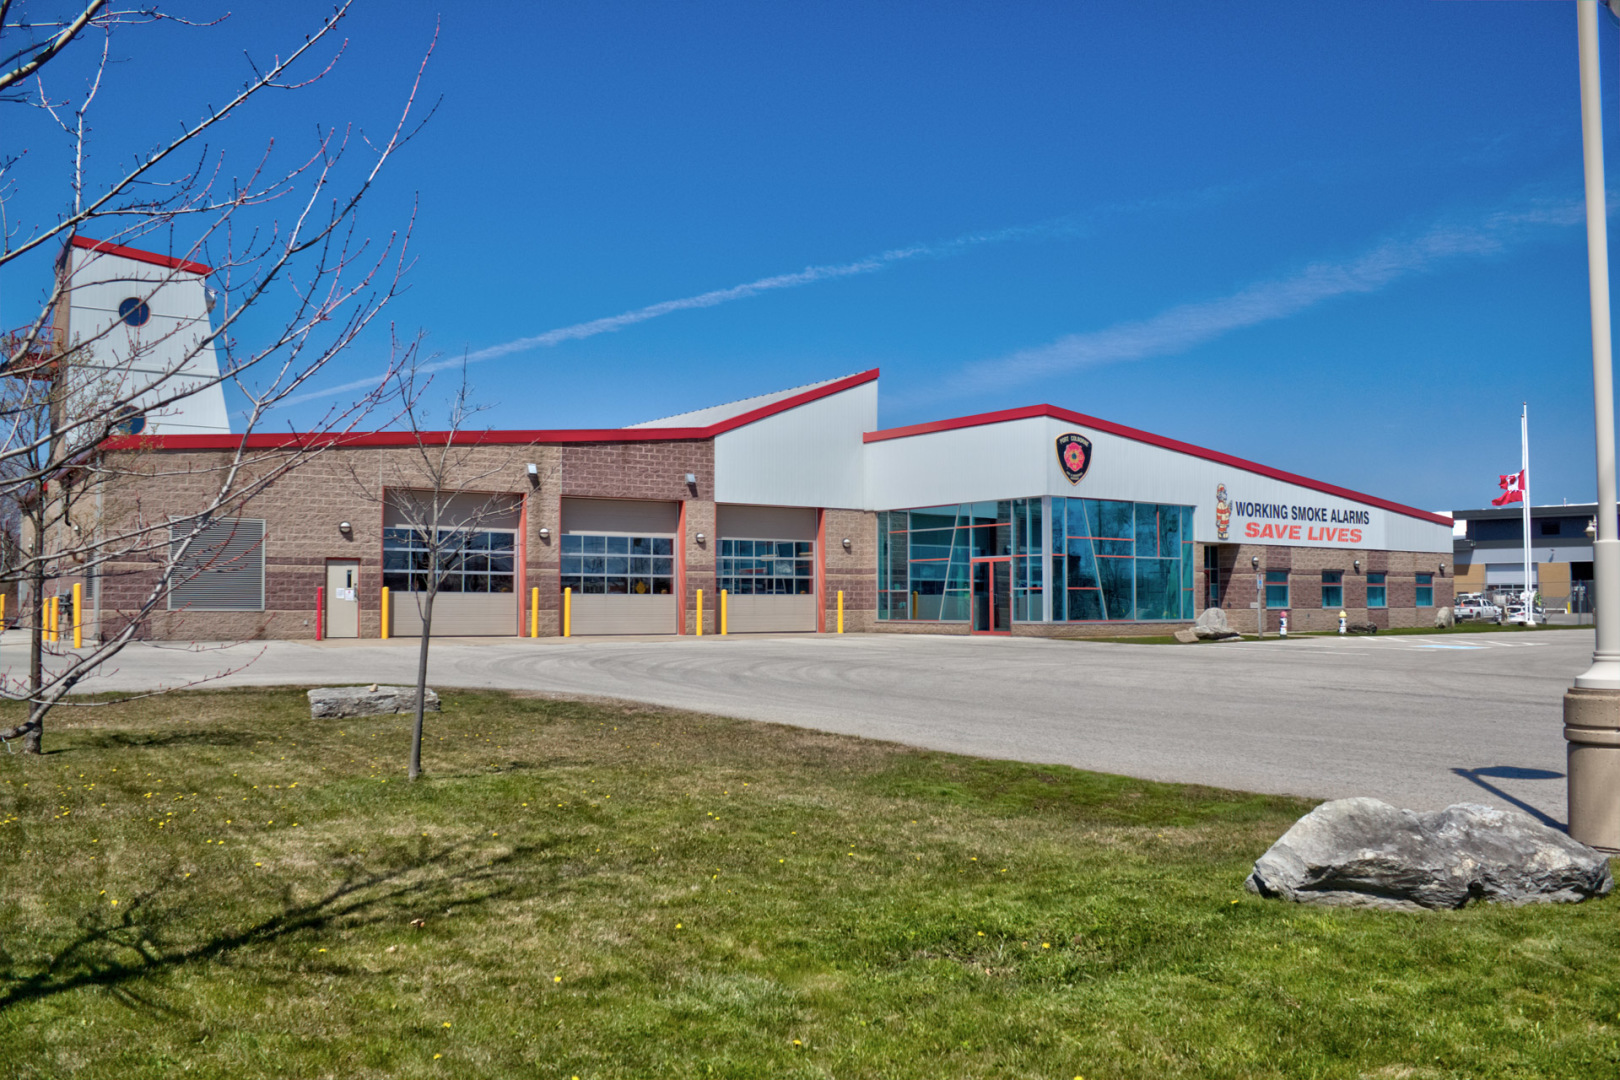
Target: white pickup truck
[1476,607]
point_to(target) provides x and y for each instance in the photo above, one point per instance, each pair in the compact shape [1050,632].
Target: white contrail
[809,275]
[1187,325]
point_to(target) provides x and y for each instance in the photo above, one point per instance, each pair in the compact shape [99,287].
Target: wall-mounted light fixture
[545,533]
[1591,528]
[534,474]
[701,538]
[691,478]
[1254,561]
[1442,569]
[1358,566]
[847,544]
[345,528]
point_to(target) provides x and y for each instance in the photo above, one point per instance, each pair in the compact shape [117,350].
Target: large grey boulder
[1366,853]
[1212,625]
[337,702]
[1444,618]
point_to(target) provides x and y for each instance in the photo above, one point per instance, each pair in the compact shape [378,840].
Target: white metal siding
[808,456]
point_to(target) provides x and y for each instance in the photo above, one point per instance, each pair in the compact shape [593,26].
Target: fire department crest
[1074,456]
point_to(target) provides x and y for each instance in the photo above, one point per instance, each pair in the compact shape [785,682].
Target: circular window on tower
[128,421]
[134,311]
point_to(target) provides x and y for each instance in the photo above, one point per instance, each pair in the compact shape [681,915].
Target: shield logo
[1074,456]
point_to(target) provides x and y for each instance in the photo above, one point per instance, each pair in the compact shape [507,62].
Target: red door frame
[991,579]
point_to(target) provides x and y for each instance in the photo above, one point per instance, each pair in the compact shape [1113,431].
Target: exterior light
[846,543]
[345,528]
[545,533]
[701,538]
[1591,528]
[534,470]
[1442,569]
[1254,561]
[691,478]
[1358,566]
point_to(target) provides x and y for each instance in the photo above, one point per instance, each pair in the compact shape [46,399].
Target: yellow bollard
[78,629]
[840,611]
[2,611]
[534,611]
[722,612]
[568,611]
[53,608]
[385,613]
[700,613]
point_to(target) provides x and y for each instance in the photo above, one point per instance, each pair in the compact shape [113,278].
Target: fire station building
[1032,521]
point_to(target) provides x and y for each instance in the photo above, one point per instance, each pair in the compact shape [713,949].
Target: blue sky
[1344,240]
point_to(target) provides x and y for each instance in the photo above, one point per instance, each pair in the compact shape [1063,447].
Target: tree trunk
[421,683]
[35,727]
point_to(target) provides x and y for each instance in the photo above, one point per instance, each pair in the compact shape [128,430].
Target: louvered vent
[222,569]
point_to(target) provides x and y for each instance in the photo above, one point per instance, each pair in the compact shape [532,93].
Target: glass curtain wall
[925,558]
[1121,561]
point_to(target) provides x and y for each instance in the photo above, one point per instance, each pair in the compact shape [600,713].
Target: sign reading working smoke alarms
[1074,456]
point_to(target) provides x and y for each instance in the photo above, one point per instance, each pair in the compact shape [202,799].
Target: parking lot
[1421,721]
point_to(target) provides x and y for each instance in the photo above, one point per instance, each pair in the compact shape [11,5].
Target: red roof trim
[303,440]
[1034,411]
[142,256]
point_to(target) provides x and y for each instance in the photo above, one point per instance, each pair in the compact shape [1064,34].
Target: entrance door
[343,599]
[992,596]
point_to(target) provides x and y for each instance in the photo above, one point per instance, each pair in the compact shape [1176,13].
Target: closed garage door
[768,568]
[618,558]
[477,557]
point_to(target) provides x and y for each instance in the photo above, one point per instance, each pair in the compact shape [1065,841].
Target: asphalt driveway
[1421,721]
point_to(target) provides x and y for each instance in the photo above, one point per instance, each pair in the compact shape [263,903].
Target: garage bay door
[768,568]
[477,541]
[618,558]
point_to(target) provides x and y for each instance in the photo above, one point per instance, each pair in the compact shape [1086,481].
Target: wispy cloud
[1188,325]
[1056,228]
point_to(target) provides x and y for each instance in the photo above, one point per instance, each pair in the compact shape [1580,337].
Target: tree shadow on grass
[117,956]
[147,740]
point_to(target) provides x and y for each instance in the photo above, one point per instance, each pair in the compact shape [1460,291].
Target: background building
[1488,549]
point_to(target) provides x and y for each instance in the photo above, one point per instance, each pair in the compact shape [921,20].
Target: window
[622,565]
[220,569]
[1212,576]
[767,567]
[1376,593]
[1333,588]
[470,560]
[1276,588]
[1117,561]
[925,557]
[1425,590]
[1550,526]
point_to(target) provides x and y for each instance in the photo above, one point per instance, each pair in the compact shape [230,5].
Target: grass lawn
[213,885]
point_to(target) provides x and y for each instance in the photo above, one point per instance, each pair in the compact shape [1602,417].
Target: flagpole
[1592,707]
[1529,593]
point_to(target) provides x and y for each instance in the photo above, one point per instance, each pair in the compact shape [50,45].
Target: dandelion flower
[1046,944]
[556,978]
[447,1023]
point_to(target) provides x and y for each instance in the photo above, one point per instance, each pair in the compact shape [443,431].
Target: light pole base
[1592,727]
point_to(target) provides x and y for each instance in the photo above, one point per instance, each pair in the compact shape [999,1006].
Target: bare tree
[282,240]
[447,531]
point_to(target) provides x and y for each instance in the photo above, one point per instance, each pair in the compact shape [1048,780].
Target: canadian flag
[1512,489]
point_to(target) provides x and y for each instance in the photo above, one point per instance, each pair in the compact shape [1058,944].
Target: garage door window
[767,567]
[470,561]
[624,565]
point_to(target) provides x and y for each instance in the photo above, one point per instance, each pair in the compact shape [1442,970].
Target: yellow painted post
[78,630]
[52,606]
[722,612]
[568,612]
[700,613]
[534,611]
[385,613]
[2,611]
[840,611]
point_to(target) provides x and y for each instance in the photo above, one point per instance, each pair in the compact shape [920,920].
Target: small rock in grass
[1366,853]
[336,702]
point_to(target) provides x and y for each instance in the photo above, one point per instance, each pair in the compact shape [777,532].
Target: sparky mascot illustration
[1223,512]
